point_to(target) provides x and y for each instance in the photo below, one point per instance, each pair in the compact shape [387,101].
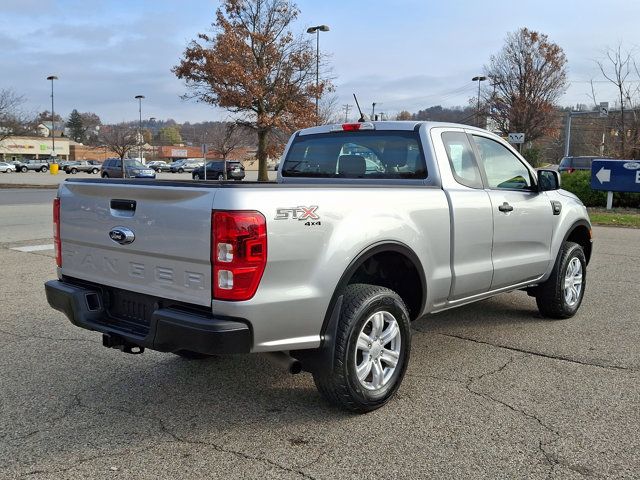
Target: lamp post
[317,29]
[140,139]
[478,79]
[53,119]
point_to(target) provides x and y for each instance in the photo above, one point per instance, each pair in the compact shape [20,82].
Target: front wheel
[370,351]
[74,170]
[44,169]
[220,176]
[24,169]
[105,175]
[94,171]
[181,170]
[197,177]
[561,295]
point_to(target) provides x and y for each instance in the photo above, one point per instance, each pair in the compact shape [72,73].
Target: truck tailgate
[170,254]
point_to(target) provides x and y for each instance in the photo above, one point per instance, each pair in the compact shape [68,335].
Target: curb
[28,185]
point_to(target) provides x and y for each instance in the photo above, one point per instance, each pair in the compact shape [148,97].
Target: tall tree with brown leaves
[527,78]
[256,68]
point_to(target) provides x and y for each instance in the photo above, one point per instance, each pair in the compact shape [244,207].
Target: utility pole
[346,109]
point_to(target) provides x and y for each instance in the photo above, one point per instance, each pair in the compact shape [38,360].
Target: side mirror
[548,180]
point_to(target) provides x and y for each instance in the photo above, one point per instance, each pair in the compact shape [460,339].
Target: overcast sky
[402,54]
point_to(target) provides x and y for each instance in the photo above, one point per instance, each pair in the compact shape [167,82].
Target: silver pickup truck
[369,226]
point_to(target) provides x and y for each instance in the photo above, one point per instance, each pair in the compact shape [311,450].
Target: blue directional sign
[616,175]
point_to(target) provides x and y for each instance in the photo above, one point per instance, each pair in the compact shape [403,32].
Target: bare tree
[527,78]
[617,68]
[120,139]
[13,120]
[224,139]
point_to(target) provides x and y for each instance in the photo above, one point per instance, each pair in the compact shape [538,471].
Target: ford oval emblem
[122,235]
[632,165]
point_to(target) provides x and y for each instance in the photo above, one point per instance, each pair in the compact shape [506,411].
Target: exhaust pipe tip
[285,361]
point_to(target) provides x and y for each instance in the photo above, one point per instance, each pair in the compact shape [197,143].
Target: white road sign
[604,109]
[516,138]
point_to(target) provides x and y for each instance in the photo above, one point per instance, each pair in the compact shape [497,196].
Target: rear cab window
[371,154]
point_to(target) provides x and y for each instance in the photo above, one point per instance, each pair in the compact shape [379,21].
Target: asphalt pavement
[492,391]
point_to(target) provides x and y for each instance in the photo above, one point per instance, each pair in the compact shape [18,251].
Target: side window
[503,168]
[462,160]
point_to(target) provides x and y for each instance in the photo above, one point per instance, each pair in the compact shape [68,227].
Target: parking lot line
[34,248]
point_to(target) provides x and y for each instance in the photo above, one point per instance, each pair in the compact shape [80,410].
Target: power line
[346,107]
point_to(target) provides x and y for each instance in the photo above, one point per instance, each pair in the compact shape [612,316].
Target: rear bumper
[168,330]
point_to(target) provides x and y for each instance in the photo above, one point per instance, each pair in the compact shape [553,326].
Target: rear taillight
[57,244]
[238,253]
[570,170]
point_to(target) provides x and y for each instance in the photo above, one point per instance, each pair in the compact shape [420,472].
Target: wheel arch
[389,248]
[580,233]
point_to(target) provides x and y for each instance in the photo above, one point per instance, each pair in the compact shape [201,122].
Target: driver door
[522,216]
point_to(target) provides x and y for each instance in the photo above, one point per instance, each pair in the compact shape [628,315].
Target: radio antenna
[361,119]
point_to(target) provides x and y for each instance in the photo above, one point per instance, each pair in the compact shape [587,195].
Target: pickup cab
[368,227]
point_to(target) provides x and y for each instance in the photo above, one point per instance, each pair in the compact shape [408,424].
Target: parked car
[112,168]
[159,166]
[215,169]
[88,166]
[187,165]
[571,164]
[327,268]
[33,165]
[7,167]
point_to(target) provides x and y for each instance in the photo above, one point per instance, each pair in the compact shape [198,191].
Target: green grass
[619,217]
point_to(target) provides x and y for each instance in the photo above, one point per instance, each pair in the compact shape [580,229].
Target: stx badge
[297,213]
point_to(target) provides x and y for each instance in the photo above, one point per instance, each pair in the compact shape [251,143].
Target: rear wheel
[561,295]
[220,176]
[370,351]
[24,169]
[197,177]
[181,170]
[105,175]
[74,170]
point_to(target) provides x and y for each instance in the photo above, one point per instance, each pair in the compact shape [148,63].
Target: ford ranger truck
[368,227]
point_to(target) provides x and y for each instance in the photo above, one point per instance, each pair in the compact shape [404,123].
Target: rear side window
[582,162]
[356,154]
[461,158]
[566,162]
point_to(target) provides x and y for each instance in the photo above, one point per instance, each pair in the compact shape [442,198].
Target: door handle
[505,207]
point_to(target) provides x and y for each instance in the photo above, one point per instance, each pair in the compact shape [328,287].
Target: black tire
[94,171]
[221,176]
[105,175]
[189,355]
[550,296]
[181,170]
[197,177]
[24,169]
[74,170]
[44,169]
[341,387]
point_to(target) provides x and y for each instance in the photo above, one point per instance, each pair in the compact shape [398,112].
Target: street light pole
[478,79]
[317,29]
[140,139]
[53,119]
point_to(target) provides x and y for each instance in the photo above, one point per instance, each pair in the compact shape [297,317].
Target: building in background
[32,148]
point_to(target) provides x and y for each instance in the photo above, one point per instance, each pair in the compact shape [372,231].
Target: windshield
[364,154]
[133,164]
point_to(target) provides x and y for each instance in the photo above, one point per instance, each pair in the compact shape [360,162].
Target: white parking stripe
[34,248]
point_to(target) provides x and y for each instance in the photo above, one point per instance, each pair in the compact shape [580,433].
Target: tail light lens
[570,170]
[238,253]
[57,244]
